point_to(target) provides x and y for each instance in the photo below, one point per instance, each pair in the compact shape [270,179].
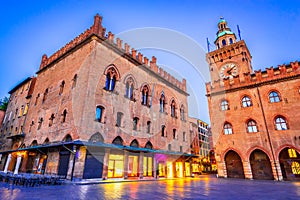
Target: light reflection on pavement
[205,187]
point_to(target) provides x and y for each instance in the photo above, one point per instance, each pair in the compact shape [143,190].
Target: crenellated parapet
[109,39]
[270,75]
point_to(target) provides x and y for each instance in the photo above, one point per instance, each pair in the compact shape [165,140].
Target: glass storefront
[179,169]
[115,166]
[148,166]
[161,169]
[133,163]
[187,169]
[169,170]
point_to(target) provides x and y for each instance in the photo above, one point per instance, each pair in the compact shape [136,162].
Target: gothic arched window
[145,95]
[129,88]
[173,108]
[162,102]
[111,77]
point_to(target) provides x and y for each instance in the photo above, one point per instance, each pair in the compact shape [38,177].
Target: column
[7,163]
[18,164]
[105,164]
[183,168]
[247,170]
[154,168]
[141,165]
[277,174]
[126,166]
[222,171]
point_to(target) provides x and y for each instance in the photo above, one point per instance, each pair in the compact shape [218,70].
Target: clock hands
[229,71]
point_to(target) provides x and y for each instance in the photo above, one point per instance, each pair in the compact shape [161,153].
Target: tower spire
[224,34]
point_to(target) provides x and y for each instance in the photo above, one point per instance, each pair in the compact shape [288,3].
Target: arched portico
[260,165]
[234,165]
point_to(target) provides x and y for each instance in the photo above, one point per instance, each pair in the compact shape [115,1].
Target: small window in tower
[230,41]
[224,42]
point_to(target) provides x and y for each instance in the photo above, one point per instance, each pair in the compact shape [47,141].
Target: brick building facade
[98,109]
[254,114]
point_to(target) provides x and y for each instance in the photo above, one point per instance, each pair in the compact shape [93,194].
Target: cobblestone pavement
[205,187]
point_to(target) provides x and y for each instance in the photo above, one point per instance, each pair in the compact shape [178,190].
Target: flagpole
[208,50]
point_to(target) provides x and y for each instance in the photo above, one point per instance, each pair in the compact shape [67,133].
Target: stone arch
[232,149]
[248,153]
[134,143]
[260,165]
[97,137]
[118,141]
[234,165]
[279,149]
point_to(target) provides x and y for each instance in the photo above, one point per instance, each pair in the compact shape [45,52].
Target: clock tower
[231,57]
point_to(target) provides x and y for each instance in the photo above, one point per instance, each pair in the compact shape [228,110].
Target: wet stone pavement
[205,187]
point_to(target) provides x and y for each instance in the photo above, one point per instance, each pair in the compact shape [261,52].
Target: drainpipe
[268,133]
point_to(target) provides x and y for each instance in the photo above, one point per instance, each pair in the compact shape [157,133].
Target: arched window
[280,123]
[40,123]
[119,119]
[129,88]
[230,41]
[224,42]
[224,105]
[227,129]
[134,143]
[135,123]
[149,145]
[74,81]
[45,95]
[182,113]
[246,102]
[51,120]
[118,141]
[173,108]
[218,46]
[163,130]
[99,113]
[148,126]
[68,138]
[64,116]
[274,97]
[36,99]
[145,94]
[111,77]
[162,102]
[174,134]
[61,87]
[251,126]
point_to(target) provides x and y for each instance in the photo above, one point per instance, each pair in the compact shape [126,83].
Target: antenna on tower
[239,32]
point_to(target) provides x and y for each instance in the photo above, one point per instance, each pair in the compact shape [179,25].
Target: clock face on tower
[228,70]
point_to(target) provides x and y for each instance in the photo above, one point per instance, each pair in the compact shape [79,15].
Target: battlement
[258,77]
[98,30]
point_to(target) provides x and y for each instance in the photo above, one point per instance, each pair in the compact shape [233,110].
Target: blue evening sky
[31,28]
